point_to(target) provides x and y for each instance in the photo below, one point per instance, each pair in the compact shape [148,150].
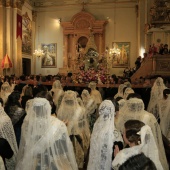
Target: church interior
[96,60]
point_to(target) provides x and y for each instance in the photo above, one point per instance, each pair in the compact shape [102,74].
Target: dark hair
[133,95]
[138,162]
[124,89]
[118,98]
[48,96]
[1,101]
[165,92]
[13,99]
[115,103]
[28,91]
[132,128]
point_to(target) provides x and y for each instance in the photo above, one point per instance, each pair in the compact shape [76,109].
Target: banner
[19,26]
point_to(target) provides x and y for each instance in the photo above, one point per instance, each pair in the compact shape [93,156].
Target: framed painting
[120,54]
[26,34]
[49,59]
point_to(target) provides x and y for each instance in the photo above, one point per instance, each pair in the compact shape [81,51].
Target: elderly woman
[45,143]
[103,137]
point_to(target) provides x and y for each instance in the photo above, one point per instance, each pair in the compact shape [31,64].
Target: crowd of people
[51,128]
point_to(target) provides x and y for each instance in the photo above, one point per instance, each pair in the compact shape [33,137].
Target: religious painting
[26,34]
[120,54]
[49,59]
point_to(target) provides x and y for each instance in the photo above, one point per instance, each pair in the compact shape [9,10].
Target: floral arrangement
[91,75]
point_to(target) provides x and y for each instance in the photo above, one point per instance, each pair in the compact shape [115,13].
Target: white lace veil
[57,85]
[164,118]
[45,143]
[155,96]
[7,132]
[120,91]
[58,92]
[122,104]
[128,91]
[134,109]
[89,102]
[148,147]
[2,167]
[127,84]
[71,112]
[5,91]
[95,94]
[102,138]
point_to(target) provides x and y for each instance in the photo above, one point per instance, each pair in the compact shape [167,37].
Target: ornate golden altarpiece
[76,34]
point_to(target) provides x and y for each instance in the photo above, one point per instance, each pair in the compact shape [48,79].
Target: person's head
[14,99]
[28,91]
[115,103]
[166,92]
[133,95]
[46,95]
[131,136]
[140,162]
[1,102]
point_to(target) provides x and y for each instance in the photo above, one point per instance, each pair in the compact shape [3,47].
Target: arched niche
[78,27]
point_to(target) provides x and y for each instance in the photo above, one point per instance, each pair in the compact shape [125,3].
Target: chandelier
[114,51]
[38,52]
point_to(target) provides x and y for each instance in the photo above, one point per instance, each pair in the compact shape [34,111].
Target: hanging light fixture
[38,52]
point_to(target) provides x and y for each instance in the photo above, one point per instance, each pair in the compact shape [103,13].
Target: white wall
[122,27]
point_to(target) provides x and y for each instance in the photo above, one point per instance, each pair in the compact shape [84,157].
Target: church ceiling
[46,3]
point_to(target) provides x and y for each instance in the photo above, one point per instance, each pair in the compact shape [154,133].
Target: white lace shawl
[58,92]
[155,96]
[71,112]
[128,91]
[56,85]
[45,143]
[7,132]
[2,167]
[164,117]
[148,147]
[134,109]
[122,104]
[74,114]
[102,138]
[89,103]
[5,91]
[95,94]
[120,91]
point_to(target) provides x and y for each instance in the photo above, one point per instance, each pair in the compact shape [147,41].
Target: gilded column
[33,59]
[2,32]
[65,50]
[17,36]
[100,45]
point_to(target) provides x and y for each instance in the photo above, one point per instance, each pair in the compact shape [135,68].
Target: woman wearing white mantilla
[45,143]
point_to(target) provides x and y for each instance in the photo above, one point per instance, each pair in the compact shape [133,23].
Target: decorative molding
[18,4]
[34,16]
